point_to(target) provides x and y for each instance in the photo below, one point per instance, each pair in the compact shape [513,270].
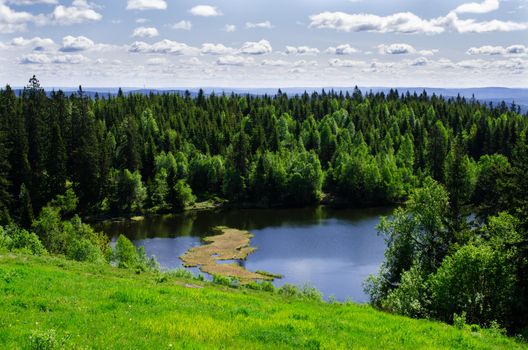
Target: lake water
[333,250]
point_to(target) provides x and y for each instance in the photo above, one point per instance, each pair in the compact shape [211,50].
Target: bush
[311,293]
[226,281]
[5,240]
[410,298]
[288,290]
[180,273]
[84,250]
[20,239]
[126,255]
[476,280]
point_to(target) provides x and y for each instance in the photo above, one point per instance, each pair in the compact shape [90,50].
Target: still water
[333,250]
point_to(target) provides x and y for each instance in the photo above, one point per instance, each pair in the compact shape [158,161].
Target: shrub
[226,281]
[20,239]
[180,273]
[5,240]
[49,228]
[310,292]
[476,280]
[410,298]
[84,250]
[126,255]
[288,290]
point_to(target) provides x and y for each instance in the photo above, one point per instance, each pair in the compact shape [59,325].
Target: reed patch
[229,244]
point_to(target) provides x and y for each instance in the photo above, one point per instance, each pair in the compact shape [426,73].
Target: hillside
[51,301]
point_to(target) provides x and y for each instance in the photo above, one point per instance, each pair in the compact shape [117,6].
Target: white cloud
[297,70]
[142,20]
[230,28]
[476,7]
[301,50]
[304,63]
[265,25]
[15,21]
[163,47]
[32,2]
[216,49]
[274,63]
[79,12]
[256,48]
[45,59]
[35,58]
[142,5]
[232,60]
[68,59]
[419,62]
[428,52]
[452,22]
[72,44]
[396,49]
[37,43]
[498,50]
[145,32]
[409,23]
[184,25]
[336,62]
[205,11]
[192,61]
[472,64]
[404,22]
[344,49]
[157,61]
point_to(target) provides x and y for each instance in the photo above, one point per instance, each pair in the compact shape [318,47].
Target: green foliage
[127,256]
[84,250]
[14,238]
[416,235]
[72,238]
[490,188]
[127,192]
[410,298]
[125,253]
[182,196]
[476,280]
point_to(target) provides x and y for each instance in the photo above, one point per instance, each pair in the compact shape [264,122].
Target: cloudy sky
[264,43]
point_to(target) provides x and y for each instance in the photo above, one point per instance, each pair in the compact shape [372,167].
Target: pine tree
[34,109]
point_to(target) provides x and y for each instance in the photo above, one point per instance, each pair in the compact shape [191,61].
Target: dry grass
[230,244]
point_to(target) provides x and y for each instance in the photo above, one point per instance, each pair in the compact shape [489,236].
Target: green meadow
[53,303]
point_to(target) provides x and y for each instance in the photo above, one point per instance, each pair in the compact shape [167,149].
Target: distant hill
[494,95]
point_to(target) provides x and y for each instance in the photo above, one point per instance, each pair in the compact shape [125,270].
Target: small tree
[183,195]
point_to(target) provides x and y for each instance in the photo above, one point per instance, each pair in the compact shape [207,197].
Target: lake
[333,250]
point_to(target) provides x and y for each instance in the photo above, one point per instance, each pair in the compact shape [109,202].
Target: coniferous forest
[457,247]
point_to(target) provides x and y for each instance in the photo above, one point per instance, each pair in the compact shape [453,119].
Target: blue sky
[264,43]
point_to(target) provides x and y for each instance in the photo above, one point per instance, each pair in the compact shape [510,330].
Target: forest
[457,247]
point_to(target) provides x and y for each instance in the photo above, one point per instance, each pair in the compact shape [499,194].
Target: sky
[264,43]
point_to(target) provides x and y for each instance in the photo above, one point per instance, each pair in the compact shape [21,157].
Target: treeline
[160,152]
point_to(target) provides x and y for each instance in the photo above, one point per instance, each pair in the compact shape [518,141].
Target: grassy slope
[94,306]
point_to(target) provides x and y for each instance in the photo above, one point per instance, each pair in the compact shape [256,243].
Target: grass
[229,244]
[49,303]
